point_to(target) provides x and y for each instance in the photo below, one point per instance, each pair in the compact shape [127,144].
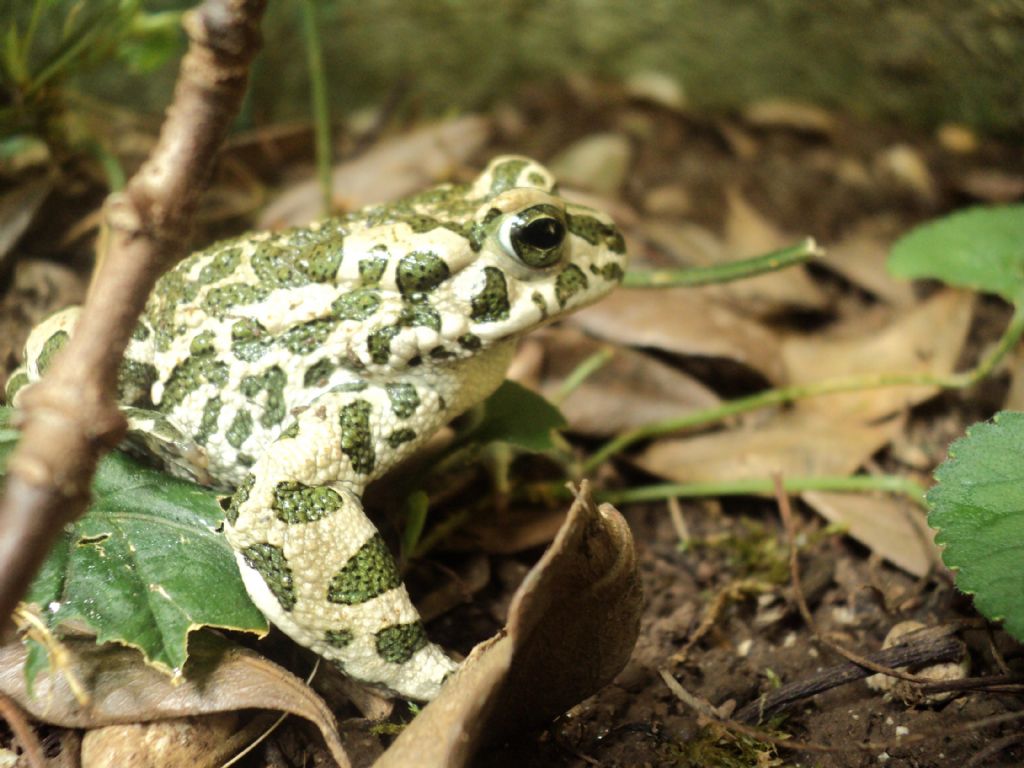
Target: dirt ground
[803,172]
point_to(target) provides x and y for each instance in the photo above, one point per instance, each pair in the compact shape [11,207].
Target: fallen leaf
[749,233]
[599,162]
[187,742]
[629,390]
[890,526]
[795,115]
[388,171]
[123,689]
[926,338]
[17,210]
[860,257]
[792,443]
[572,625]
[683,321]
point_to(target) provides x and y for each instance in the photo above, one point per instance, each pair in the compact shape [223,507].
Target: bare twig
[22,730]
[70,418]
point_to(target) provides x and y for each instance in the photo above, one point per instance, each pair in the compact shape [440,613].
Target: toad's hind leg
[311,559]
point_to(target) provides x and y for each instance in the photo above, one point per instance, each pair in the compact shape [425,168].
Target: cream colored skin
[295,368]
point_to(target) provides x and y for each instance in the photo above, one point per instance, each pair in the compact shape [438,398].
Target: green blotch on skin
[273,381]
[306,338]
[538,301]
[240,496]
[172,291]
[612,272]
[270,563]
[222,264]
[537,179]
[420,272]
[420,313]
[338,638]
[371,269]
[356,305]
[357,436]
[292,430]
[596,232]
[400,436]
[51,347]
[220,300]
[378,344]
[404,399]
[275,265]
[208,423]
[491,304]
[189,375]
[368,573]
[16,382]
[399,642]
[140,332]
[505,175]
[569,282]
[134,380]
[318,374]
[321,261]
[203,344]
[240,429]
[470,342]
[440,353]
[298,503]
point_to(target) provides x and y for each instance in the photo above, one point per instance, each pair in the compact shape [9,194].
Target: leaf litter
[741,183]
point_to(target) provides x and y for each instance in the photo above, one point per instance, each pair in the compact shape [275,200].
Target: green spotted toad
[293,368]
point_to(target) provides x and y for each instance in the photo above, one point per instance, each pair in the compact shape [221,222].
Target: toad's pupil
[543,233]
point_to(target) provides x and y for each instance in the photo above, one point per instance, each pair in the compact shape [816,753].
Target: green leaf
[978,510]
[516,415]
[145,566]
[979,248]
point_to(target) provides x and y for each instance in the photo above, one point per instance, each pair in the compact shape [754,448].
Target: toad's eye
[534,236]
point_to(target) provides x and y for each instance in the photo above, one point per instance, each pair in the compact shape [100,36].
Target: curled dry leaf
[684,322]
[629,390]
[890,526]
[571,628]
[388,171]
[791,443]
[123,689]
[927,338]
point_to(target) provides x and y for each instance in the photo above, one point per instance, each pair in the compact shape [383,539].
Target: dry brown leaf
[861,257]
[122,689]
[749,233]
[685,322]
[786,113]
[629,390]
[17,210]
[192,742]
[571,628]
[391,169]
[791,443]
[890,526]
[927,338]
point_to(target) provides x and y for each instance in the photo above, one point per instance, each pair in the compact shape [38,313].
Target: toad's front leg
[311,559]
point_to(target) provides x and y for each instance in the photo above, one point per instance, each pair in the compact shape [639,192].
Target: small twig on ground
[786,512]
[70,418]
[729,593]
[22,731]
[705,710]
[932,650]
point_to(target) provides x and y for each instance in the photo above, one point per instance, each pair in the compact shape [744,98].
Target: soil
[805,180]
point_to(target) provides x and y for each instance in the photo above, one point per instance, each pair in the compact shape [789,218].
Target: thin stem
[724,273]
[582,372]
[783,395]
[751,486]
[318,91]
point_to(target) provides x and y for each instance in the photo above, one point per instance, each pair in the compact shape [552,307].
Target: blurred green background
[921,62]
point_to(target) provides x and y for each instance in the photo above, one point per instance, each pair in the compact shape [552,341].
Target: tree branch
[70,418]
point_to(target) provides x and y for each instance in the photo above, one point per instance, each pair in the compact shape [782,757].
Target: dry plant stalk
[70,418]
